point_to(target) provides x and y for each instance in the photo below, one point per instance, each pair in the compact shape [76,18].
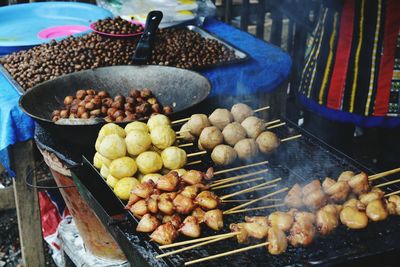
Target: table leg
[27,205]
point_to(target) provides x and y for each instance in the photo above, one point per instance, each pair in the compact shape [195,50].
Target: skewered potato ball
[246,148]
[210,137]
[112,147]
[137,141]
[223,155]
[162,136]
[104,171]
[123,167]
[158,120]
[111,128]
[220,118]
[241,111]
[173,157]
[99,160]
[138,126]
[149,162]
[197,123]
[186,135]
[253,126]
[151,176]
[233,133]
[111,181]
[267,142]
[124,186]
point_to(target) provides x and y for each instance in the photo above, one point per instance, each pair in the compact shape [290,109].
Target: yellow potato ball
[104,171]
[151,176]
[162,136]
[136,125]
[149,162]
[111,180]
[123,167]
[158,120]
[137,142]
[111,128]
[99,161]
[173,157]
[123,187]
[112,147]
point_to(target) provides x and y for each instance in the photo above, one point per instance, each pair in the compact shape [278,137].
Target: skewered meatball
[220,118]
[173,157]
[294,198]
[149,162]
[175,220]
[223,155]
[136,126]
[192,177]
[256,230]
[207,200]
[353,218]
[158,120]
[267,142]
[345,176]
[112,147]
[241,111]
[183,204]
[277,241]
[168,182]
[246,148]
[376,210]
[197,123]
[359,183]
[253,126]
[147,224]
[327,221]
[233,133]
[210,137]
[164,234]
[162,136]
[190,227]
[242,236]
[280,220]
[214,219]
[185,133]
[137,142]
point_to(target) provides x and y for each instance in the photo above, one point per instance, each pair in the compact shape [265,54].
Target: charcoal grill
[298,161]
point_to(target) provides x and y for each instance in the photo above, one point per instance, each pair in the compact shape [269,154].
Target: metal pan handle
[153,20]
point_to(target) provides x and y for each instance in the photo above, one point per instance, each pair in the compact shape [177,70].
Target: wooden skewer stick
[181,120]
[196,154]
[261,109]
[226,253]
[240,167]
[250,189]
[192,247]
[272,122]
[238,177]
[387,183]
[257,208]
[237,183]
[193,162]
[187,242]
[276,125]
[265,187]
[256,200]
[183,131]
[393,193]
[383,174]
[290,138]
[186,145]
[244,200]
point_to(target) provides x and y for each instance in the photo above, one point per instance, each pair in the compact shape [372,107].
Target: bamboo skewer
[244,200]
[181,120]
[272,122]
[237,177]
[387,183]
[265,187]
[187,242]
[256,200]
[240,167]
[392,193]
[186,145]
[196,154]
[257,208]
[249,189]
[383,174]
[183,131]
[276,125]
[290,138]
[226,253]
[261,109]
[193,162]
[237,183]
[192,246]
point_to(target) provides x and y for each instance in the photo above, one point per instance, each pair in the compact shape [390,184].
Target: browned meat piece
[354,203]
[190,191]
[207,200]
[214,219]
[183,205]
[209,174]
[314,199]
[152,204]
[376,210]
[243,236]
[395,199]
[199,214]
[328,182]
[339,191]
[164,234]
[312,186]
[277,241]
[190,227]
[353,218]
[132,200]
[147,224]
[168,182]
[345,176]
[281,220]
[326,221]
[359,183]
[301,234]
[304,217]
[139,208]
[261,220]
[144,190]
[256,230]
[333,208]
[294,198]
[371,196]
[192,177]
[165,204]
[175,220]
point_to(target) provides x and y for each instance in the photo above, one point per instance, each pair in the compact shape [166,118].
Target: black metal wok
[178,88]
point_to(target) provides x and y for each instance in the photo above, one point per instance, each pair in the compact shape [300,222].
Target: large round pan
[178,88]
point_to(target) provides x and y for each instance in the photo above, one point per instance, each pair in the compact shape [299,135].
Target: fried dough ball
[123,167]
[214,219]
[220,118]
[136,126]
[164,234]
[124,186]
[267,142]
[111,181]
[223,155]
[173,157]
[241,111]
[111,128]
[137,142]
[158,120]
[376,210]
[147,224]
[294,198]
[277,241]
[197,123]
[185,133]
[246,148]
[281,220]
[149,162]
[104,171]
[190,227]
[210,137]
[112,147]
[150,177]
[99,161]
[353,218]
[162,136]
[253,126]
[233,133]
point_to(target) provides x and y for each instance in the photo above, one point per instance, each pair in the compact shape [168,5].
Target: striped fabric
[353,60]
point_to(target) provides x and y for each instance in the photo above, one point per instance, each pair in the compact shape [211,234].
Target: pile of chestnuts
[117,26]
